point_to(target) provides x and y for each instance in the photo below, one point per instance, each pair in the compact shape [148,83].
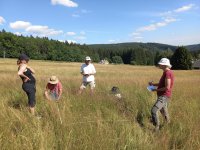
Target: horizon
[173,23]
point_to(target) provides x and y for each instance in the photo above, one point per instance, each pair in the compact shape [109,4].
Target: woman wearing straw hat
[53,89]
[164,91]
[26,74]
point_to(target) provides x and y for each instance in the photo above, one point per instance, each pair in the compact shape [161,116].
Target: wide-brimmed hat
[165,61]
[53,80]
[87,58]
[23,57]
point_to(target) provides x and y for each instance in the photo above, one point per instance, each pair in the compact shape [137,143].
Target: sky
[174,22]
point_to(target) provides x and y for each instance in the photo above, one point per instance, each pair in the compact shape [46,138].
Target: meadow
[98,122]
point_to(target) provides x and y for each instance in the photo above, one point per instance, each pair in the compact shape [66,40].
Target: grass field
[99,121]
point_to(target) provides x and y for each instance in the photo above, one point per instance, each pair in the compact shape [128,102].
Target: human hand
[153,90]
[151,83]
[87,75]
[26,79]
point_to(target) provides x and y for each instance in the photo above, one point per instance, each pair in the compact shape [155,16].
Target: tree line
[12,45]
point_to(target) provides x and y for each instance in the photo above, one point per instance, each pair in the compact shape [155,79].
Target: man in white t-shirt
[88,71]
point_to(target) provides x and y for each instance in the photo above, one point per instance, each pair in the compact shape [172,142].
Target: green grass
[99,121]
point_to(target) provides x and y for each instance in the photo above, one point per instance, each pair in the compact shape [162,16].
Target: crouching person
[53,89]
[116,92]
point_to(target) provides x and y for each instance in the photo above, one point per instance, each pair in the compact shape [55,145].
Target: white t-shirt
[88,69]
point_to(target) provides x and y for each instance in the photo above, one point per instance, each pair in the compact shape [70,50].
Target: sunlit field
[99,121]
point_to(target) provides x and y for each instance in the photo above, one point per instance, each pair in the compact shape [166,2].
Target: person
[26,74]
[53,89]
[164,92]
[88,71]
[116,92]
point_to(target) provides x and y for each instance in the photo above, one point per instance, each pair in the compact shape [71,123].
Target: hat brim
[53,82]
[168,65]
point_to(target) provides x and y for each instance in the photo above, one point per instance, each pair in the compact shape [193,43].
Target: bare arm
[46,93]
[60,93]
[20,73]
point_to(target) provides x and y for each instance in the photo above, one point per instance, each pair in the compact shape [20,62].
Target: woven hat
[53,80]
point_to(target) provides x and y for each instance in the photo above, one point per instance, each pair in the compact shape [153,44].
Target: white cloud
[184,8]
[71,41]
[75,15]
[35,30]
[20,25]
[178,10]
[71,33]
[18,33]
[155,26]
[67,3]
[135,34]
[111,41]
[43,31]
[80,37]
[138,37]
[2,20]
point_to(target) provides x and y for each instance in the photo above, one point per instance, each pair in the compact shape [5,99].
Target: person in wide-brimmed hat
[26,74]
[164,92]
[88,71]
[53,89]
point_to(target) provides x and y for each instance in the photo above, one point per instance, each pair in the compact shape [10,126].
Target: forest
[43,48]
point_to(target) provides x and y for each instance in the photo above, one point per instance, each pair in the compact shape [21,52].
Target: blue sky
[174,22]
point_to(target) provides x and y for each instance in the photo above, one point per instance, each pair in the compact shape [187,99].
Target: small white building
[103,61]
[196,64]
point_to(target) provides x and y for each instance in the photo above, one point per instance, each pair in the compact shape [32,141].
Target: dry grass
[100,121]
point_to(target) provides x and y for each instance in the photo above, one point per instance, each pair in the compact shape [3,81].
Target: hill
[149,46]
[195,47]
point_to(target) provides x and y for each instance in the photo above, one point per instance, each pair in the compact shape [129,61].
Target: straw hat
[165,61]
[53,80]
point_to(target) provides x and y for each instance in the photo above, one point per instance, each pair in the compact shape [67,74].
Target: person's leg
[164,110]
[92,86]
[82,87]
[31,99]
[154,111]
[32,110]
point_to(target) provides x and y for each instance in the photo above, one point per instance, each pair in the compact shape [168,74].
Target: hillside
[98,122]
[150,46]
[195,47]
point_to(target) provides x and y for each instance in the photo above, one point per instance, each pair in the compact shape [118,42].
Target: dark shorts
[30,91]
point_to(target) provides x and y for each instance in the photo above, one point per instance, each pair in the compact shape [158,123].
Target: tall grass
[99,121]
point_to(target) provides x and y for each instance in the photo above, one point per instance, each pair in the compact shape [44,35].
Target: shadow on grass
[16,104]
[140,118]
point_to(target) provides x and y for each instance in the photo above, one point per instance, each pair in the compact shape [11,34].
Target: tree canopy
[181,59]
